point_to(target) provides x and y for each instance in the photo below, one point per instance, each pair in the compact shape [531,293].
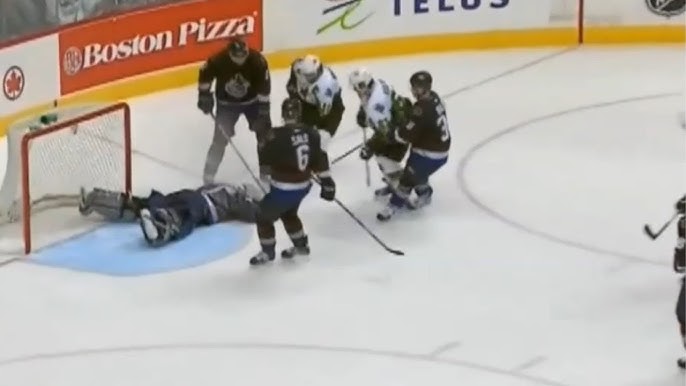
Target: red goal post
[50,158]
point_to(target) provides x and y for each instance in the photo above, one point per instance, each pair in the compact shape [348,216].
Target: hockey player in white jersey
[318,89]
[384,110]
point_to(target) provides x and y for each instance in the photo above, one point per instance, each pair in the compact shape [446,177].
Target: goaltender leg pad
[111,205]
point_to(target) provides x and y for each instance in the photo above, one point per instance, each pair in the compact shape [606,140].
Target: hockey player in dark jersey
[293,152]
[428,135]
[319,92]
[168,217]
[680,267]
[242,87]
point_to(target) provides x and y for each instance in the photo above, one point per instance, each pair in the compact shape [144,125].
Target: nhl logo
[666,8]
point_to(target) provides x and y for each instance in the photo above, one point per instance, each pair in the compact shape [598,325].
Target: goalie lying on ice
[169,217]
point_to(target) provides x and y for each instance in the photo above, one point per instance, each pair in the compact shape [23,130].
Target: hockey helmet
[238,50]
[421,83]
[309,68]
[361,81]
[291,110]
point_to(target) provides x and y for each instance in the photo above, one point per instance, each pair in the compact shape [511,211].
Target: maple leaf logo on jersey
[237,86]
[13,83]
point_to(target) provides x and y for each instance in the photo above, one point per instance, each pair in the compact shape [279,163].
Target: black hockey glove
[680,205]
[366,153]
[328,191]
[205,101]
[362,118]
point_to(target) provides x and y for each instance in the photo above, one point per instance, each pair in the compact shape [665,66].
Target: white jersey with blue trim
[322,92]
[378,106]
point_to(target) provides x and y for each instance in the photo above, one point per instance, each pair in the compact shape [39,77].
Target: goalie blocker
[170,217]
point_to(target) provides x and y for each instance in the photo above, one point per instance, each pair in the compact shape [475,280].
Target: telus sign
[426,6]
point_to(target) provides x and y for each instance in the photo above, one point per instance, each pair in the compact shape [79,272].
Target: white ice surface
[474,302]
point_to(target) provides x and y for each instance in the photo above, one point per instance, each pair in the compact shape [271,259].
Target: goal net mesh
[52,156]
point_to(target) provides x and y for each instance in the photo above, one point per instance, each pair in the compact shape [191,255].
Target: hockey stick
[366,162]
[240,156]
[359,222]
[654,235]
[347,153]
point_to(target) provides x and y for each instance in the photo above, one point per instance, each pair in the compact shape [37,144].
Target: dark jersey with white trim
[293,153]
[427,128]
[235,83]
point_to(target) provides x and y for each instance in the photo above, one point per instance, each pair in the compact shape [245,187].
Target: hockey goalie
[164,218]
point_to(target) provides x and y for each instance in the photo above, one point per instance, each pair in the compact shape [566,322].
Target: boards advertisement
[326,22]
[29,75]
[136,43]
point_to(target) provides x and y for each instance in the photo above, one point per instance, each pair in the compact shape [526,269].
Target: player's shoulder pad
[258,57]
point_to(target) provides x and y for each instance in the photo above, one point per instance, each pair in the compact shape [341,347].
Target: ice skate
[424,195]
[383,192]
[261,258]
[290,253]
[386,213]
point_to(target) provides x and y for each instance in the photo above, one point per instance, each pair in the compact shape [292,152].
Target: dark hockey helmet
[238,50]
[291,110]
[421,83]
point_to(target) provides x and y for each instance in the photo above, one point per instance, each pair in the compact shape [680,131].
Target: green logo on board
[346,17]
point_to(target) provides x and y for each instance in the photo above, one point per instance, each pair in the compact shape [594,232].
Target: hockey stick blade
[654,235]
[649,232]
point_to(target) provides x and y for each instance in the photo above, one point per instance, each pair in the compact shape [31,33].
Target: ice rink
[530,267]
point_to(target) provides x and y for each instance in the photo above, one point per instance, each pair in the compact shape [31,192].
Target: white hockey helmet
[361,81]
[309,68]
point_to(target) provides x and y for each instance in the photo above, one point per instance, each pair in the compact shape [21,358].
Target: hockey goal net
[49,158]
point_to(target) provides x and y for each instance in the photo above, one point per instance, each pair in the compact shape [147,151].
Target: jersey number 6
[302,153]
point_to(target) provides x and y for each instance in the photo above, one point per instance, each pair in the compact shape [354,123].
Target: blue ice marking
[120,250]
